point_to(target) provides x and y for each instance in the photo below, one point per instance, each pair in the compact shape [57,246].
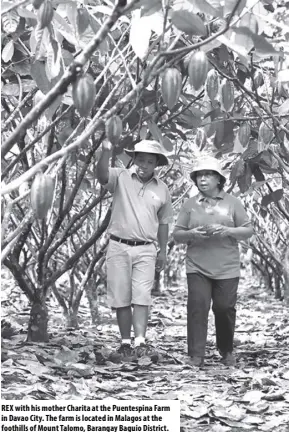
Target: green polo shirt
[138,208]
[215,257]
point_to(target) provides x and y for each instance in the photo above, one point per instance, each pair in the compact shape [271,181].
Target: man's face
[146,164]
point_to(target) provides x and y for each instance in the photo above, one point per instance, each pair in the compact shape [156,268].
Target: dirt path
[77,365]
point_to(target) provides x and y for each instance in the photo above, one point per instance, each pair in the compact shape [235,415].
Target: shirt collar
[201,197]
[134,173]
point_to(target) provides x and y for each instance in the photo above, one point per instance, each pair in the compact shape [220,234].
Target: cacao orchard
[113,129]
[171,87]
[198,69]
[83,94]
[41,195]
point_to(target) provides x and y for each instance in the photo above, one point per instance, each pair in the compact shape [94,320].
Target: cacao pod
[45,14]
[171,87]
[201,138]
[37,3]
[244,133]
[82,19]
[41,194]
[258,78]
[83,94]
[227,95]
[198,69]
[265,134]
[212,84]
[113,129]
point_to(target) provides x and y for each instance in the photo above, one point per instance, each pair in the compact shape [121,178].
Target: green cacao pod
[244,133]
[227,95]
[265,134]
[201,138]
[113,129]
[258,78]
[171,87]
[212,84]
[41,195]
[83,94]
[82,19]
[45,14]
[37,3]
[198,69]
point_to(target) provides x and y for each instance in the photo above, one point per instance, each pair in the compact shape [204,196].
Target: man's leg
[198,306]
[224,301]
[119,270]
[143,274]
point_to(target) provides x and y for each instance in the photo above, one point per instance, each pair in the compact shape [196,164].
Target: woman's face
[207,181]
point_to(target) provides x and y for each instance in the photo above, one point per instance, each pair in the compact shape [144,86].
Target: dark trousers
[201,291]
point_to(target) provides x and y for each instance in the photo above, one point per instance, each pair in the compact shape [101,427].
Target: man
[141,212]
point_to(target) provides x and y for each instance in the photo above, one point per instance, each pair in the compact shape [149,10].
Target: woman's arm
[185,236]
[241,233]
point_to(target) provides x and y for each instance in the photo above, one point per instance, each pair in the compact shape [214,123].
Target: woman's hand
[198,233]
[220,230]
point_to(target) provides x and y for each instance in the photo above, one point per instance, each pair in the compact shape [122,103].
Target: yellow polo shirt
[138,208]
[215,257]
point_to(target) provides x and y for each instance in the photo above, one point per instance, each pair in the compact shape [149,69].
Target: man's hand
[161,261]
[106,146]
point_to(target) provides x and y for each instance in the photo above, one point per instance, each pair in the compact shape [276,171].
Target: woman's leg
[198,306]
[224,296]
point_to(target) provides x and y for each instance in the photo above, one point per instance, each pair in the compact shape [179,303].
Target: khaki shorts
[130,274]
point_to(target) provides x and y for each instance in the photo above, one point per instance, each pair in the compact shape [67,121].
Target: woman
[211,223]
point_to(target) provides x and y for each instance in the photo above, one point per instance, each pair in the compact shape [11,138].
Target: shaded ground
[76,365]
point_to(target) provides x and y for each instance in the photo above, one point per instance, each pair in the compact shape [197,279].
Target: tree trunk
[72,319]
[38,322]
[91,293]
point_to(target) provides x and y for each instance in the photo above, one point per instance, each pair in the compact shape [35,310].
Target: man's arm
[102,167]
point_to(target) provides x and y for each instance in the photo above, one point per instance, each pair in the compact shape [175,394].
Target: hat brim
[193,174]
[163,160]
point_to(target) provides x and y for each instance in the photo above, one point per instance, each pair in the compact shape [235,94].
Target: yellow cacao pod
[227,95]
[171,87]
[37,3]
[45,14]
[83,94]
[265,134]
[198,69]
[244,133]
[113,129]
[212,84]
[201,138]
[41,195]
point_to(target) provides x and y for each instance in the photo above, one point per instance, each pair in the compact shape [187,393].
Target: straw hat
[149,146]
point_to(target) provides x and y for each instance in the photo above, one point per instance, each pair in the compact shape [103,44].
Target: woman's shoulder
[232,199]
[189,203]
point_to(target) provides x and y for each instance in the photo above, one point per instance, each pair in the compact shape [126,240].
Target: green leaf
[38,73]
[13,89]
[277,195]
[155,131]
[53,60]
[168,145]
[188,22]
[247,25]
[238,148]
[204,7]
[284,108]
[237,170]
[8,51]
[245,180]
[150,7]
[266,200]
[263,47]
[25,13]
[64,28]
[10,22]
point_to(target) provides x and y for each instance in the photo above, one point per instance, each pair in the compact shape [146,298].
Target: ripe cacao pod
[212,84]
[171,87]
[244,133]
[41,194]
[45,14]
[198,69]
[201,138]
[227,95]
[37,3]
[265,134]
[113,129]
[83,94]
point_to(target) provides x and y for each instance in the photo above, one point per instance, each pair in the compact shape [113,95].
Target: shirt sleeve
[183,218]
[240,216]
[165,213]
[112,179]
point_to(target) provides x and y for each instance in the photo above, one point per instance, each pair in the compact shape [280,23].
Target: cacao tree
[197,76]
